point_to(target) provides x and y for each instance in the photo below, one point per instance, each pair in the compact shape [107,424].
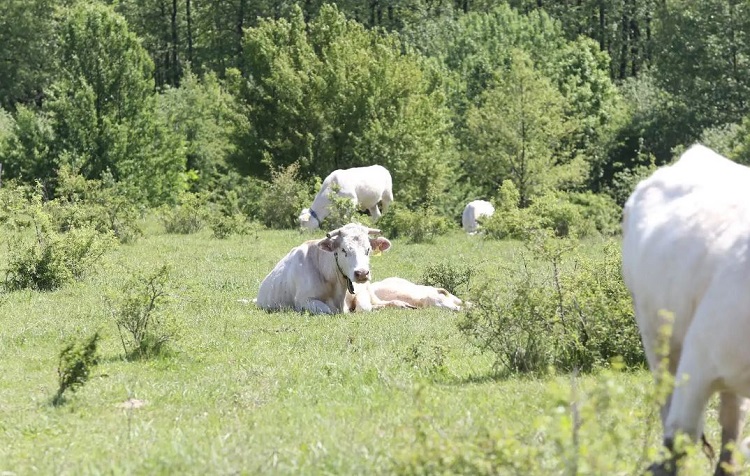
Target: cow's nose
[361,275]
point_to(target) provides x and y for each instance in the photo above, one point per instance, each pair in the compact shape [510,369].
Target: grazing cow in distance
[686,254]
[317,275]
[365,186]
[472,212]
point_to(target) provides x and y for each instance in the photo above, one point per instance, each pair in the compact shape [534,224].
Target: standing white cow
[474,210]
[365,186]
[316,275]
[686,253]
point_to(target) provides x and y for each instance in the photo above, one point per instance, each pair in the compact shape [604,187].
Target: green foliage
[102,204]
[574,214]
[515,130]
[420,226]
[625,181]
[710,72]
[27,154]
[27,36]
[75,364]
[329,94]
[104,110]
[224,226]
[283,198]
[450,276]
[205,115]
[341,209]
[51,259]
[143,325]
[188,216]
[579,316]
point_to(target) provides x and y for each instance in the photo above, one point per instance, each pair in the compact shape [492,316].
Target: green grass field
[242,391]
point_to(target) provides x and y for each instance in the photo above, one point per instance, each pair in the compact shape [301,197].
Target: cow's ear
[380,243]
[328,244]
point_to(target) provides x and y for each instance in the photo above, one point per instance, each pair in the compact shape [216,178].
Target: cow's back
[684,228]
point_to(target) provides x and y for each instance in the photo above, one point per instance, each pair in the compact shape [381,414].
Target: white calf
[416,295]
[366,186]
[316,275]
[474,210]
[686,253]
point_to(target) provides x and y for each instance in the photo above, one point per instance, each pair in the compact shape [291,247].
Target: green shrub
[75,363]
[449,276]
[105,205]
[51,259]
[418,226]
[283,199]
[224,226]
[188,216]
[144,327]
[341,210]
[578,315]
[563,213]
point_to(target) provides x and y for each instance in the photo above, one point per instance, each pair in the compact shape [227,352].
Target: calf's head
[351,246]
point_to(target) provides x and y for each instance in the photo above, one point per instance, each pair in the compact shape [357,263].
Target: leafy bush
[51,259]
[283,198]
[75,363]
[237,224]
[419,226]
[188,216]
[341,209]
[449,276]
[579,316]
[105,205]
[143,326]
[562,213]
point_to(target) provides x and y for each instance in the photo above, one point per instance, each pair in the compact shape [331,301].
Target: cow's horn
[333,233]
[373,231]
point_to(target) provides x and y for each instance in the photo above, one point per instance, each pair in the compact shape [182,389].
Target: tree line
[454,97]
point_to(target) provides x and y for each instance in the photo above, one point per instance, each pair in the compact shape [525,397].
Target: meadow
[241,391]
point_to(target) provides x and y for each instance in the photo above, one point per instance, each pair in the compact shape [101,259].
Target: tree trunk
[189,19]
[240,33]
[175,41]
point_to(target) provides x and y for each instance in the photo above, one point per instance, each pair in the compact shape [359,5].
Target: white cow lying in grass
[472,212]
[399,292]
[686,253]
[366,186]
[318,275]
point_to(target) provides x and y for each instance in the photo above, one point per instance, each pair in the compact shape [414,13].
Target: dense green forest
[228,98]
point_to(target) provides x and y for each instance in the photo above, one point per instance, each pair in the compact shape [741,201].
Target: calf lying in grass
[405,293]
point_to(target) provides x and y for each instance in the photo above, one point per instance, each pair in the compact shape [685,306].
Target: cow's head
[309,219]
[351,246]
[443,298]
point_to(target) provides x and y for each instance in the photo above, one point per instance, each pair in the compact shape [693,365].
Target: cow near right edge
[686,254]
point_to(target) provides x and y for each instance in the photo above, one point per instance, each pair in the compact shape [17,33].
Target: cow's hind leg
[386,199]
[375,212]
[732,411]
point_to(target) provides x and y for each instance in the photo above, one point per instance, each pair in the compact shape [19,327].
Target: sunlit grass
[244,391]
